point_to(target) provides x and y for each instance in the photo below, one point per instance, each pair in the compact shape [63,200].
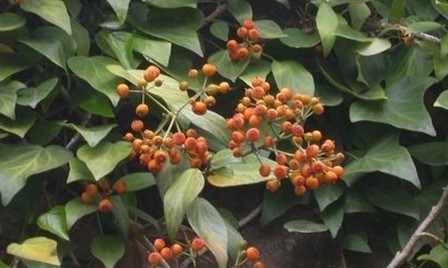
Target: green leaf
[385,155]
[285,3]
[172,3]
[356,202]
[327,194]
[120,8]
[397,10]
[94,71]
[332,216]
[157,50]
[179,196]
[413,61]
[75,209]
[138,181]
[103,158]
[206,221]
[40,249]
[430,153]
[258,68]
[440,66]
[220,30]
[144,216]
[54,221]
[240,9]
[10,21]
[180,29]
[438,254]
[359,12]
[222,158]
[269,29]
[404,107]
[305,226]
[19,162]
[442,100]
[51,42]
[355,242]
[25,120]
[393,199]
[93,135]
[376,46]
[345,31]
[81,37]
[53,11]
[8,98]
[43,132]
[297,38]
[441,7]
[121,44]
[329,95]
[98,104]
[11,63]
[121,214]
[108,249]
[293,75]
[423,26]
[31,96]
[327,22]
[239,173]
[226,67]
[78,171]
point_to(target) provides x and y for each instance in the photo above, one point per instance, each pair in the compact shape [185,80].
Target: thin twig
[402,256]
[216,13]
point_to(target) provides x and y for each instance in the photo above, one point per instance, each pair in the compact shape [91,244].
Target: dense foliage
[118,114]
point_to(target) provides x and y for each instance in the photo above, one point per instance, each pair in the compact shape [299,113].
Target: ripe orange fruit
[105,205]
[232,45]
[312,182]
[243,52]
[120,186]
[154,258]
[209,101]
[208,69]
[253,34]
[252,254]
[179,138]
[190,144]
[86,198]
[122,90]
[258,264]
[253,134]
[176,249]
[142,109]
[299,190]
[330,176]
[160,156]
[264,170]
[92,189]
[197,244]
[316,135]
[273,185]
[192,73]
[248,24]
[318,109]
[241,32]
[224,87]
[183,86]
[281,158]
[199,108]
[137,125]
[166,253]
[151,73]
[338,170]
[280,171]
[159,244]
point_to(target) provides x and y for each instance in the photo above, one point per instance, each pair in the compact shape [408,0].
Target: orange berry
[268,141]
[183,86]
[192,73]
[128,136]
[238,137]
[191,133]
[179,138]
[209,101]
[105,205]
[306,170]
[122,90]
[253,34]
[142,109]
[317,166]
[176,249]
[299,190]
[312,182]
[160,156]
[154,258]
[92,189]
[316,135]
[271,115]
[237,151]
[257,48]
[318,109]
[338,170]
[281,159]
[208,69]
[273,185]
[241,32]
[280,171]
[190,144]
[258,264]
[293,164]
[167,253]
[120,186]
[264,170]
[151,73]
[86,198]
[248,24]
[232,45]
[197,244]
[297,130]
[243,52]
[224,87]
[286,127]
[136,145]
[154,166]
[159,244]
[253,134]
[297,180]
[312,151]
[199,108]
[137,125]
[257,81]
[252,254]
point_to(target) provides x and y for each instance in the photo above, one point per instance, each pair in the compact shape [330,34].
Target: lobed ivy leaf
[423,26]
[442,100]
[104,157]
[138,181]
[93,135]
[430,153]
[220,30]
[413,62]
[355,242]
[206,221]
[81,37]
[25,120]
[393,199]
[297,38]
[54,221]
[268,29]
[359,13]
[40,249]
[356,202]
[108,249]
[75,209]
[385,155]
[32,96]
[78,171]
[305,226]
[441,7]
[240,9]
[11,63]
[404,107]
[8,97]
[293,75]
[121,44]
[157,50]
[121,213]
[10,21]
[440,66]
[120,8]
[179,196]
[438,254]
[327,22]
[94,71]
[53,11]
[332,216]
[43,132]
[20,161]
[327,194]
[226,67]
[258,68]
[375,46]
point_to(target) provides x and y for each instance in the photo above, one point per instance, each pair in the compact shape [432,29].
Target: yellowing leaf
[39,249]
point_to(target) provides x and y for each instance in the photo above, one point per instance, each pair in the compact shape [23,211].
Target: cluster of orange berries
[205,97]
[150,75]
[252,254]
[92,193]
[285,114]
[155,150]
[168,253]
[249,46]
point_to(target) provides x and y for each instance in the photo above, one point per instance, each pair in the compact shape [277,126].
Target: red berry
[208,69]
[105,205]
[281,171]
[253,134]
[159,244]
[252,254]
[122,90]
[166,253]
[176,249]
[154,258]
[248,24]
[197,244]
[273,185]
[264,170]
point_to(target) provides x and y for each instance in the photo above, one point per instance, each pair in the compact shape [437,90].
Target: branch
[402,256]
[216,13]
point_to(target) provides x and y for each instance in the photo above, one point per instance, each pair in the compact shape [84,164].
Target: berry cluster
[283,116]
[93,193]
[168,253]
[249,46]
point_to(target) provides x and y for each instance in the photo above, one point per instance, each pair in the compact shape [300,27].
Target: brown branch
[216,13]
[402,256]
